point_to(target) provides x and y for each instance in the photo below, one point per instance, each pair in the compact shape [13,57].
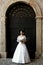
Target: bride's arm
[24,40]
[18,39]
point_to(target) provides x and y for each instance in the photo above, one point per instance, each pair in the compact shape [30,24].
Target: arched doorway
[20,16]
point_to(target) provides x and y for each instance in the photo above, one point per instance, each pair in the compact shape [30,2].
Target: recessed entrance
[20,16]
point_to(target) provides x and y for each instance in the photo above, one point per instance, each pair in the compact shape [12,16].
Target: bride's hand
[21,40]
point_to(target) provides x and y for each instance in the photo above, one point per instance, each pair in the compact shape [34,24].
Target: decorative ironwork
[21,10]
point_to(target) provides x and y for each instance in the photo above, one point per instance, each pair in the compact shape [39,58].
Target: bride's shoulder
[24,35]
[19,36]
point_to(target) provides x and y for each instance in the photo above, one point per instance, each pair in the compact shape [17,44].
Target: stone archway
[19,15]
[37,10]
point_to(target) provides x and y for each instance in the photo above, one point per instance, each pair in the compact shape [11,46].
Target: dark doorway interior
[20,16]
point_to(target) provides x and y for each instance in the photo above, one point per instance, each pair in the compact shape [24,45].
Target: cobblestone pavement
[9,62]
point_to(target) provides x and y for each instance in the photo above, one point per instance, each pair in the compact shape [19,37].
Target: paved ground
[9,62]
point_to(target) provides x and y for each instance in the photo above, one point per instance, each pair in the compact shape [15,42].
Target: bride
[21,54]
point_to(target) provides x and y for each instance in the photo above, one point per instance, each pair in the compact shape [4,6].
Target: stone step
[8,61]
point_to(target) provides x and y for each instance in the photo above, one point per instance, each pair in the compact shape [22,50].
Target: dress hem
[21,63]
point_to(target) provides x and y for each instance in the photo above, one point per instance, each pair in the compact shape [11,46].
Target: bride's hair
[22,31]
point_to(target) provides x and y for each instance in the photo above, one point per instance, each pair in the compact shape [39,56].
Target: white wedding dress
[21,54]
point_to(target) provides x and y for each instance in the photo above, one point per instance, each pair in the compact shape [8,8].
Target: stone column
[0,35]
[3,40]
[42,37]
[38,37]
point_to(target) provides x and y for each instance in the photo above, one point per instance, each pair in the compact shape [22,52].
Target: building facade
[37,6]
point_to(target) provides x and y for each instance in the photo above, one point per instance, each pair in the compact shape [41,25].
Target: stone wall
[38,8]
